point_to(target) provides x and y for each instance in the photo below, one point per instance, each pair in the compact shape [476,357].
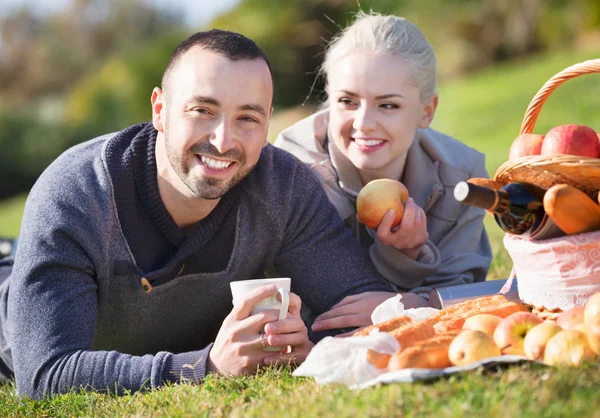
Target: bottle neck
[482,197]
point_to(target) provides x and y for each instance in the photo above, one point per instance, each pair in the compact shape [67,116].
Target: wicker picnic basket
[559,273]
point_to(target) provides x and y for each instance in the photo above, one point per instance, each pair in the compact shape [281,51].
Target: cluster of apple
[571,139]
[572,338]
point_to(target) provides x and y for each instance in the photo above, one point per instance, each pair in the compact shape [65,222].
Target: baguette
[377,359]
[413,332]
[386,326]
[572,210]
[456,322]
[428,354]
[469,305]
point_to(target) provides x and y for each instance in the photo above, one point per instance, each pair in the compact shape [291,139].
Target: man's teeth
[215,164]
[368,142]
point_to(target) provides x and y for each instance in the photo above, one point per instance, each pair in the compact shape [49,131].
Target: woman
[380,82]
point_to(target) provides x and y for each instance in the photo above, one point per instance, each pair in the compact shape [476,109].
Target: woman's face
[375,109]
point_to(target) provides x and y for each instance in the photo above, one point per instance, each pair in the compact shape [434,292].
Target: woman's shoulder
[306,138]
[450,151]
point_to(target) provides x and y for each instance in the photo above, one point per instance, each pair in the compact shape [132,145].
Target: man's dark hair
[232,45]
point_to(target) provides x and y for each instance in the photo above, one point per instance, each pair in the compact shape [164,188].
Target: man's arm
[326,263]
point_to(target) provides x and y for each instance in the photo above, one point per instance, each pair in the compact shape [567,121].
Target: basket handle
[535,106]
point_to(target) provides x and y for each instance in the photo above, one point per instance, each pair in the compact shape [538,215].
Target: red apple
[470,346]
[377,198]
[591,313]
[568,348]
[536,339]
[510,333]
[526,144]
[483,322]
[572,139]
[569,319]
[592,330]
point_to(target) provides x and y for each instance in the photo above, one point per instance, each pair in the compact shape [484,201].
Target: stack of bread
[487,327]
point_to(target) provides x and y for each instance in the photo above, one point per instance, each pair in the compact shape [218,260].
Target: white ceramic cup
[239,289]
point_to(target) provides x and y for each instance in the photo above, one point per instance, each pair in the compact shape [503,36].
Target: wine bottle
[517,207]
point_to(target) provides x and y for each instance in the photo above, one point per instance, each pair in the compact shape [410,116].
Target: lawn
[485,111]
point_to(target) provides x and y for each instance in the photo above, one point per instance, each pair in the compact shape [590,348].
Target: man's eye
[248,119]
[202,110]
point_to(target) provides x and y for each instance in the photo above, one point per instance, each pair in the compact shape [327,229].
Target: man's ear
[268,123]
[429,111]
[158,108]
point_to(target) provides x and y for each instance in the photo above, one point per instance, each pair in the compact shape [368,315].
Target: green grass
[11,211]
[485,111]
[527,390]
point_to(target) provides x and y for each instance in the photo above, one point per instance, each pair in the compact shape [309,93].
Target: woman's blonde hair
[378,34]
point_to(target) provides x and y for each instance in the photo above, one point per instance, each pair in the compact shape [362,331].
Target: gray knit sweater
[74,313]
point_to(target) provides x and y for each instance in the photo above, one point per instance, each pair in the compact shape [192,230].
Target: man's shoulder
[279,173]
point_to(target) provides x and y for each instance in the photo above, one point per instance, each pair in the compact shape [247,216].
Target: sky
[195,12]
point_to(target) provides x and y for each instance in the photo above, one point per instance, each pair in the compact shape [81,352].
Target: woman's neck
[393,170]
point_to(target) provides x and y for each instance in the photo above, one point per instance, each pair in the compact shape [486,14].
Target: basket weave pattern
[555,274]
[545,171]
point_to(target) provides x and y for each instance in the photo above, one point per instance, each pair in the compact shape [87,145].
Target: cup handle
[285,303]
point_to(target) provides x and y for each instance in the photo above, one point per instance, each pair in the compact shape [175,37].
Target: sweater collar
[144,155]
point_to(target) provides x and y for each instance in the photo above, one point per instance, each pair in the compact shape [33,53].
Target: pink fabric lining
[556,273]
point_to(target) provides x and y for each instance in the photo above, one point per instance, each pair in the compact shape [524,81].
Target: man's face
[214,117]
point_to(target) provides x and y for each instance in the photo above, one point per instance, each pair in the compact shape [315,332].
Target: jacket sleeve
[52,307]
[462,256]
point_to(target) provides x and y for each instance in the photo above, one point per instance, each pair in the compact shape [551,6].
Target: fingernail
[391,213]
[317,327]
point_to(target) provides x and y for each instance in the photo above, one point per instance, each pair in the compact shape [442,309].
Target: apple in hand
[591,313]
[536,339]
[377,198]
[510,333]
[526,144]
[571,139]
[568,348]
[483,322]
[470,346]
[570,318]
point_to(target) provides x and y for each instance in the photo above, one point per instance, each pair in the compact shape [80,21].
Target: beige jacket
[458,250]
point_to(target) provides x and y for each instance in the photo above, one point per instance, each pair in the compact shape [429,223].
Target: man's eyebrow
[205,99]
[380,97]
[254,108]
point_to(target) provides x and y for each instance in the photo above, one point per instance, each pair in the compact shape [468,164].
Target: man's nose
[223,136]
[364,120]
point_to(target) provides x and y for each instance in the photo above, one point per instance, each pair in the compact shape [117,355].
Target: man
[129,241]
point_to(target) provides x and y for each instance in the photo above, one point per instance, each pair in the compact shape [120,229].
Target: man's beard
[207,187]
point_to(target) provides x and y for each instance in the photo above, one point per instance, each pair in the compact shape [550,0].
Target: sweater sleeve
[52,306]
[319,252]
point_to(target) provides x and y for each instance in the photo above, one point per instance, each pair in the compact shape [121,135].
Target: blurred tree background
[90,67]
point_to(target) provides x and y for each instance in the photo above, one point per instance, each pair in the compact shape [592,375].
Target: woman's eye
[389,106]
[346,102]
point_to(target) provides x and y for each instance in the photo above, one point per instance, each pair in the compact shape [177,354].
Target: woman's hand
[352,311]
[410,235]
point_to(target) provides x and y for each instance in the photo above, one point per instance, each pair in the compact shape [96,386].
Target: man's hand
[410,235]
[291,333]
[352,311]
[238,349]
